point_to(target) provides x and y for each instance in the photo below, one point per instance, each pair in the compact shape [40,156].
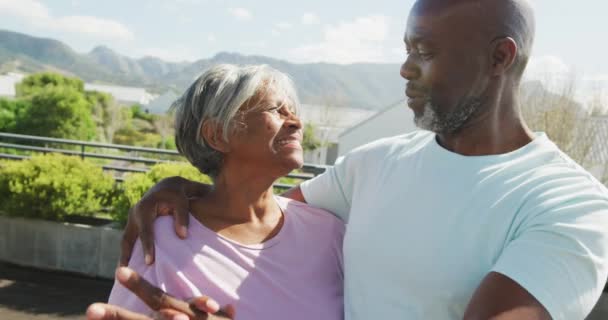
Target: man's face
[446,67]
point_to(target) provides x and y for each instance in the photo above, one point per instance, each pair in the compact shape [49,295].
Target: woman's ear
[213,135]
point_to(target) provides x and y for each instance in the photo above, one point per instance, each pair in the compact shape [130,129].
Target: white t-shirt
[426,225]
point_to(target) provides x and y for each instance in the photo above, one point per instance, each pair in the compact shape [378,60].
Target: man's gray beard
[450,122]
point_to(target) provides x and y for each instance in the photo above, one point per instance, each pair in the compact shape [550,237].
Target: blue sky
[570,39]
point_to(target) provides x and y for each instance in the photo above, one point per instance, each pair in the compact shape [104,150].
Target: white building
[329,123]
[124,95]
[8,82]
[162,103]
[393,120]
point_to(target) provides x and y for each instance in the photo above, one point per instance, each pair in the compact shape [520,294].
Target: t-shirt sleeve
[559,253]
[331,190]
[121,296]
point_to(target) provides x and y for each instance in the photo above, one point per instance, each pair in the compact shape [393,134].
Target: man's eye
[425,55]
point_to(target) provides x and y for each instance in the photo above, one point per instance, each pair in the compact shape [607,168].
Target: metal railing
[132,155]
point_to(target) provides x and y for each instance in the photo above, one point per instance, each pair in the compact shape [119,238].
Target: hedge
[136,184]
[52,187]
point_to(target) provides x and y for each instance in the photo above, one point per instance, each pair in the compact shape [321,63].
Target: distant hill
[369,86]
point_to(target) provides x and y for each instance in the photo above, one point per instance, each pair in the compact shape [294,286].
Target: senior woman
[267,256]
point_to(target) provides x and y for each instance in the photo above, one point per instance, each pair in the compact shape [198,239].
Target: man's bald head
[489,20]
[463,57]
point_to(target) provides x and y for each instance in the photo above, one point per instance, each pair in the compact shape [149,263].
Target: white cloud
[551,71]
[260,44]
[189,2]
[35,13]
[174,54]
[355,41]
[559,77]
[597,78]
[28,9]
[284,25]
[94,26]
[310,18]
[211,37]
[279,27]
[240,13]
[548,64]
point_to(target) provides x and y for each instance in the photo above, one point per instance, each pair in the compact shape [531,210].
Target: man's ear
[213,135]
[502,55]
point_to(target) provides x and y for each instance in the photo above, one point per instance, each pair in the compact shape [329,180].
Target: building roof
[332,121]
[123,94]
[162,103]
[372,116]
[598,153]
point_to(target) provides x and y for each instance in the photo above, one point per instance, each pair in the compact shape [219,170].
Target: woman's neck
[241,208]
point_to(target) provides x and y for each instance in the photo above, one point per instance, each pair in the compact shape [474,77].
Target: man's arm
[500,298]
[169,196]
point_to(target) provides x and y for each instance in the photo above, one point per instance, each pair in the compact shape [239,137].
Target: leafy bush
[136,184]
[52,187]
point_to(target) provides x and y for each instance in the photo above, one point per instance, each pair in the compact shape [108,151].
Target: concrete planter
[89,250]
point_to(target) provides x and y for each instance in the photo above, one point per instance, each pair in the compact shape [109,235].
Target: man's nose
[409,70]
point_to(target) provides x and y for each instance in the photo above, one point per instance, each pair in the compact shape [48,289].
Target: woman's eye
[274,110]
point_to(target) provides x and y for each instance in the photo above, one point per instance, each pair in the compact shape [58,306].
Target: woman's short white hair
[217,95]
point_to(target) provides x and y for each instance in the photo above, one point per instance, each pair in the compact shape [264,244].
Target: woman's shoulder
[308,214]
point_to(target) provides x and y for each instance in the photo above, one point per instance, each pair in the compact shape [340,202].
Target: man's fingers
[154,297]
[170,314]
[129,236]
[181,220]
[205,304]
[102,311]
[230,311]
[145,225]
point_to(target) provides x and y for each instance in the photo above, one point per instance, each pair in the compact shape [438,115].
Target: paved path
[42,295]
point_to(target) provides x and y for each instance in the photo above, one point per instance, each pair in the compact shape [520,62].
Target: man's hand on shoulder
[169,196]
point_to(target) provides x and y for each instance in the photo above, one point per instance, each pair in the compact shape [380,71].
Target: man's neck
[497,129]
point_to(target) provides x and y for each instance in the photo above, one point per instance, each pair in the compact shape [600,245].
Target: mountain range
[360,85]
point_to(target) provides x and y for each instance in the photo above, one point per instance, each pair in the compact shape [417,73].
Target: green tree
[139,113]
[36,82]
[59,112]
[310,141]
[107,114]
[10,112]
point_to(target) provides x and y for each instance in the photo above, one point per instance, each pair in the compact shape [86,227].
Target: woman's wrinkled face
[268,134]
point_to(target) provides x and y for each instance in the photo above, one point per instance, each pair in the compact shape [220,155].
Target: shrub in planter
[52,187]
[136,184]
